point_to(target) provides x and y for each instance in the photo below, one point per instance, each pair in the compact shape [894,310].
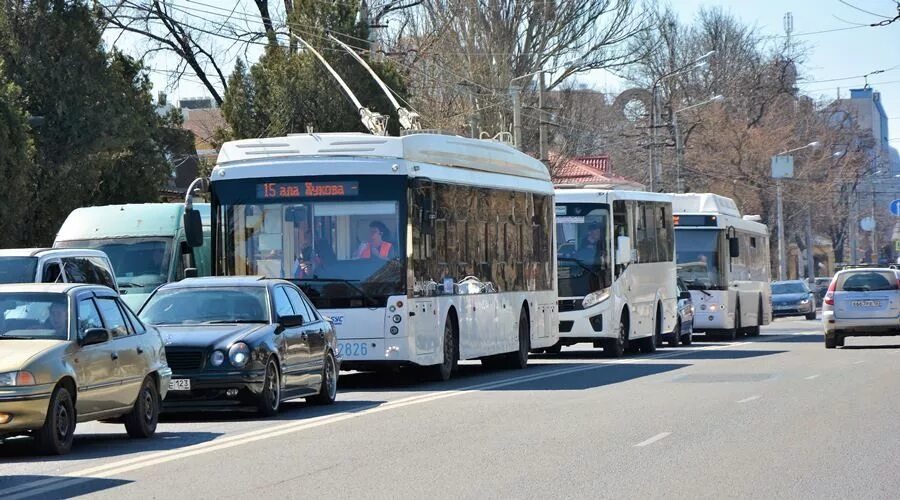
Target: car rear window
[867,281]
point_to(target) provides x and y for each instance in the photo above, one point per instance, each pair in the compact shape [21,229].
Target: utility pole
[679,155]
[515,93]
[779,208]
[854,227]
[810,249]
[542,127]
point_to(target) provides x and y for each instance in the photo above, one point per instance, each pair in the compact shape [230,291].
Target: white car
[861,302]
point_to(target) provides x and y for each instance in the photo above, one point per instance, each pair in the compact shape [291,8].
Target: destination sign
[306,189]
[696,220]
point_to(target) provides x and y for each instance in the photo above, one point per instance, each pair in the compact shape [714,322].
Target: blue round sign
[895,208]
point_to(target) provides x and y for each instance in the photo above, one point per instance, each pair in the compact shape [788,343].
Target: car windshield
[582,232]
[209,305]
[17,269]
[787,288]
[867,281]
[698,258]
[34,316]
[141,263]
[347,252]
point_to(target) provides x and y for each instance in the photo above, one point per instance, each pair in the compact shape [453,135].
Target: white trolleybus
[723,258]
[616,276]
[424,249]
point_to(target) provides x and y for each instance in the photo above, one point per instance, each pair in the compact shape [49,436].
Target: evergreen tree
[15,160]
[101,140]
[287,91]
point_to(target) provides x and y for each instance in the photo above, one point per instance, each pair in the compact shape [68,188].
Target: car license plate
[352,349]
[866,303]
[180,384]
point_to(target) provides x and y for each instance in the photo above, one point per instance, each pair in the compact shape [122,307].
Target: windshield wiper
[350,284]
[15,337]
[695,285]
[234,321]
[128,284]
[580,264]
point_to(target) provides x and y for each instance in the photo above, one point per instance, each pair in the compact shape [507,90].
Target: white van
[56,265]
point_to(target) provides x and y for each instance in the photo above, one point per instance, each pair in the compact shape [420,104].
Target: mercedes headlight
[594,298]
[19,378]
[804,302]
[239,354]
[217,358]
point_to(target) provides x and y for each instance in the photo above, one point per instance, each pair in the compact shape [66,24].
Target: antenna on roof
[409,120]
[374,121]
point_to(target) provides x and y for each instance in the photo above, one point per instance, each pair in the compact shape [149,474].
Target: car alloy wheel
[270,397]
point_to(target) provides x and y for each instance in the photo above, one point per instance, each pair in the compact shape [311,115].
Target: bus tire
[615,348]
[648,344]
[753,331]
[518,360]
[733,333]
[444,370]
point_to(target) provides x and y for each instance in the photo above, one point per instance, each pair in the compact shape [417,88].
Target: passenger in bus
[377,247]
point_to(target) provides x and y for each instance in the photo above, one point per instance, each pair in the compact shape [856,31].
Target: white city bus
[616,276]
[423,249]
[724,260]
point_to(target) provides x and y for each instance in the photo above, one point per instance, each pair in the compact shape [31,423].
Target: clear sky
[846,54]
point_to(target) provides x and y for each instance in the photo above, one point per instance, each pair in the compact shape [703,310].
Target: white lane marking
[135,463]
[812,377]
[751,398]
[859,362]
[661,435]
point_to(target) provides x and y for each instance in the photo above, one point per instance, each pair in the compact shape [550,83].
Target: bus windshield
[698,257]
[582,232]
[141,263]
[343,253]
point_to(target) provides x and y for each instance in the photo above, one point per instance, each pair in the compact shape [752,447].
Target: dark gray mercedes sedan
[243,342]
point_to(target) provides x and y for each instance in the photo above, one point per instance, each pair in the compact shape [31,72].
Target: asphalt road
[776,416]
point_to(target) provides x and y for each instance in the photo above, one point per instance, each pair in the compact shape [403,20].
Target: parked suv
[56,265]
[861,302]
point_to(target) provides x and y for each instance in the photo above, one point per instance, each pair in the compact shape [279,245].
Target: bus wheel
[443,371]
[648,344]
[615,348]
[733,333]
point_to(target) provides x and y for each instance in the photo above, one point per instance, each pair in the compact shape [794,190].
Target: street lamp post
[515,93]
[779,205]
[679,146]
[654,111]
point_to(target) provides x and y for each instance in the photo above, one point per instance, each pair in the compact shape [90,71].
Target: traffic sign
[895,208]
[867,223]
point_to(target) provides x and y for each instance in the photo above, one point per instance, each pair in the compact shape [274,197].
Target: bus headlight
[594,298]
[713,308]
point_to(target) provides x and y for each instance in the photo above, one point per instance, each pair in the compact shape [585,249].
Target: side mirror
[193,228]
[734,247]
[291,321]
[685,295]
[623,250]
[95,336]
[190,272]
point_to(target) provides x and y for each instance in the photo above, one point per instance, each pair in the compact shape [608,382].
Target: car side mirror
[190,272]
[684,295]
[623,251]
[291,321]
[95,336]
[734,247]
[193,228]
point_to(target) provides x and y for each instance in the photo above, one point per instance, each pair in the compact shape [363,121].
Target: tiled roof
[589,170]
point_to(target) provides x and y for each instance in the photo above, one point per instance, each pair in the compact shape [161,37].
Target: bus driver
[376,247]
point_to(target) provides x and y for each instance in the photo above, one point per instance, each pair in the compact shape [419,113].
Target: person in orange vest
[376,247]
